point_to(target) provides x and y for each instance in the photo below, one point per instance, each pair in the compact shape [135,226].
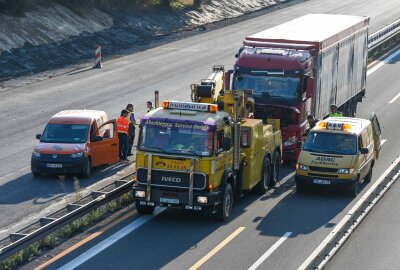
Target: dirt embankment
[55,36]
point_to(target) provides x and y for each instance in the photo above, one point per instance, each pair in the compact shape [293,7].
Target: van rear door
[377,133]
[104,144]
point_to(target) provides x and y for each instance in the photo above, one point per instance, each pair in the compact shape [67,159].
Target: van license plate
[321,182]
[168,200]
[53,165]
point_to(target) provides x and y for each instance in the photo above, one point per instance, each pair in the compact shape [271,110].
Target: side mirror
[364,151]
[310,87]
[97,138]
[38,136]
[300,144]
[226,144]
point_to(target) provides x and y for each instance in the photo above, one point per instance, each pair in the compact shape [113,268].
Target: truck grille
[321,169]
[174,179]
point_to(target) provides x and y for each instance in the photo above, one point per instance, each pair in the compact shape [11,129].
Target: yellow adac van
[339,152]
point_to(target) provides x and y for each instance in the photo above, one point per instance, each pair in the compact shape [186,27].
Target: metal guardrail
[338,236]
[384,34]
[73,211]
[47,225]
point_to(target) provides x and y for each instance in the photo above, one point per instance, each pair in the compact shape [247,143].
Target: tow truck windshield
[65,133]
[331,143]
[269,87]
[173,140]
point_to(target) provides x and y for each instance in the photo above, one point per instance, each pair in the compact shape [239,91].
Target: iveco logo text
[326,159]
[171,179]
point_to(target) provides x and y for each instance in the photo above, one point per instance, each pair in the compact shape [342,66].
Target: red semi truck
[303,66]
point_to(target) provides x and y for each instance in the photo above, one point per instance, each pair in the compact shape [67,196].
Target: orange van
[75,141]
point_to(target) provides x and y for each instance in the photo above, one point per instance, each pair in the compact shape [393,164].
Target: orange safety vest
[122,125]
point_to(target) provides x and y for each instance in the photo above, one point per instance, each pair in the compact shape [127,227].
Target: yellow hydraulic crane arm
[209,89]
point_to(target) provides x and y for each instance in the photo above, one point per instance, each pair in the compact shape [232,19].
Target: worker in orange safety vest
[122,129]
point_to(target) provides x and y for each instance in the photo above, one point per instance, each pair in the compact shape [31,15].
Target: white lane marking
[381,64]
[110,240]
[394,99]
[27,167]
[383,141]
[270,251]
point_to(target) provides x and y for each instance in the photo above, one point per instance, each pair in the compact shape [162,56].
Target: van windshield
[331,143]
[173,140]
[65,133]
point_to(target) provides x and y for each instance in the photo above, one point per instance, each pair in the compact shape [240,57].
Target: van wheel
[300,188]
[265,182]
[355,189]
[144,209]
[368,177]
[225,208]
[36,174]
[275,170]
[87,168]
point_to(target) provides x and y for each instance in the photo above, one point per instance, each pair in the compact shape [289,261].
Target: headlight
[301,167]
[140,193]
[202,199]
[77,155]
[345,171]
[35,154]
[290,141]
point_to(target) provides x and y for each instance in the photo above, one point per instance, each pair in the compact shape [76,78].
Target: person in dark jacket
[311,123]
[131,127]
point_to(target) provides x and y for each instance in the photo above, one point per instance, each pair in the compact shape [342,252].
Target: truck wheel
[265,182]
[368,177]
[87,168]
[225,208]
[144,209]
[300,188]
[275,169]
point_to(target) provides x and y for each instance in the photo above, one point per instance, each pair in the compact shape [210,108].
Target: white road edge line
[381,64]
[110,241]
[383,141]
[270,251]
[394,99]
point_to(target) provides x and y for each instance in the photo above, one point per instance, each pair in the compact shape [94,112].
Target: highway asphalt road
[276,231]
[376,243]
[170,69]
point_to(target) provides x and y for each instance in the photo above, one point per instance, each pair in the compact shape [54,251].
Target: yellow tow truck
[194,156]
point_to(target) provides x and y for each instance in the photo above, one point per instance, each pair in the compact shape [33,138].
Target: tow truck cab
[339,152]
[185,158]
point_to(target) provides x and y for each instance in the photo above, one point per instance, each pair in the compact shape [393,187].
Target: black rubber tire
[87,168]
[144,209]
[355,189]
[368,177]
[36,174]
[300,188]
[276,166]
[225,207]
[266,176]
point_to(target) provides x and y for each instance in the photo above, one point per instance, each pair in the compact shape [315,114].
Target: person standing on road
[123,129]
[311,123]
[131,129]
[335,112]
[149,106]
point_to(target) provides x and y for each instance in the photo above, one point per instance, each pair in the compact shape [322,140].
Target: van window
[65,133]
[331,143]
[365,139]
[107,131]
[370,134]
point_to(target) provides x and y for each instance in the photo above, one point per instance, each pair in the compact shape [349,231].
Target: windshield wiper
[188,151]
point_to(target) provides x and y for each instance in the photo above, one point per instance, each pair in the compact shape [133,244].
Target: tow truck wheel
[36,174]
[144,209]
[275,169]
[265,182]
[368,177]
[224,209]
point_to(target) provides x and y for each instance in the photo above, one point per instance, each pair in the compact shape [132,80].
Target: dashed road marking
[394,99]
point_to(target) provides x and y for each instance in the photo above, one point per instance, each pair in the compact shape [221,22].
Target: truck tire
[266,176]
[87,168]
[300,188]
[36,174]
[275,169]
[225,207]
[144,209]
